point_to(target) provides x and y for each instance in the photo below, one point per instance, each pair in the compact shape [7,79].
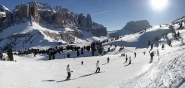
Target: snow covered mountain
[167,70]
[132,27]
[3,11]
[136,26]
[32,22]
[3,8]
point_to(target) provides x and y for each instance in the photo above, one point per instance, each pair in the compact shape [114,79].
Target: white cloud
[99,1]
[101,12]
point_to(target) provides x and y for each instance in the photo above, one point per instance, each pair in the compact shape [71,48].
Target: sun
[159,4]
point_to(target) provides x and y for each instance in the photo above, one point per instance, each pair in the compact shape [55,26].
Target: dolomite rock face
[44,15]
[136,26]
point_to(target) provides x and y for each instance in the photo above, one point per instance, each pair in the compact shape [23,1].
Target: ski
[66,80]
[100,72]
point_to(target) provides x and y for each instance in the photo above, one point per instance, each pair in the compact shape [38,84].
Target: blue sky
[114,14]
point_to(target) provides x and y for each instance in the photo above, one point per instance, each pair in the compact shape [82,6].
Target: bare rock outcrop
[136,26]
[46,16]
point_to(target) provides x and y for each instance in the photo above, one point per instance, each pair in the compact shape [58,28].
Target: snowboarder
[126,59]
[82,62]
[108,60]
[135,54]
[129,60]
[151,55]
[97,67]
[68,72]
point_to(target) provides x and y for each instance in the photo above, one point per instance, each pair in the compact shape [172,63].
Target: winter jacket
[68,69]
[97,64]
[152,54]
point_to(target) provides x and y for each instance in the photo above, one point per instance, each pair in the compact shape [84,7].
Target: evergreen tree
[115,46]
[156,38]
[53,56]
[92,52]
[88,48]
[178,34]
[180,25]
[68,55]
[1,55]
[109,49]
[77,52]
[175,35]
[166,34]
[82,51]
[171,27]
[62,49]
[148,42]
[100,50]
[10,54]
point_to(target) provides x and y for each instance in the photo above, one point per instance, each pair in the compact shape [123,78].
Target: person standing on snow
[68,72]
[135,54]
[129,60]
[82,62]
[157,52]
[151,55]
[182,41]
[97,67]
[126,59]
[108,60]
[144,52]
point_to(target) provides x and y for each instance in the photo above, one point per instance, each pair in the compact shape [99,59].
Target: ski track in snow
[168,72]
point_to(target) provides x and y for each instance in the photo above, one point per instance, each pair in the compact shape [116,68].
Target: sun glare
[159,4]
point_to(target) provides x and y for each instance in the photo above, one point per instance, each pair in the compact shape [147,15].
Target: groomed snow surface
[166,71]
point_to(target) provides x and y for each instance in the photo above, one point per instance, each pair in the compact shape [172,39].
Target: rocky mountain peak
[47,16]
[136,26]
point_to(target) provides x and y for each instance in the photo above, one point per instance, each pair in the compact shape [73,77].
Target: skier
[151,55]
[68,72]
[108,60]
[126,59]
[182,41]
[97,67]
[144,52]
[135,54]
[82,62]
[157,52]
[129,60]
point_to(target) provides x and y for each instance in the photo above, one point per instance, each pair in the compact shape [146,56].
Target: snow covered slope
[140,39]
[29,35]
[167,69]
